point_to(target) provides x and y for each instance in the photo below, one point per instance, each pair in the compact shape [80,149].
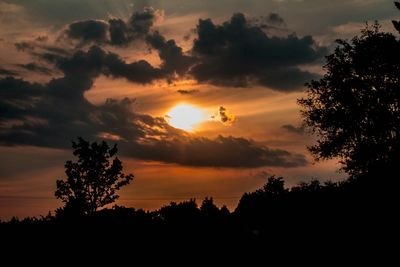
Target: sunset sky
[199,95]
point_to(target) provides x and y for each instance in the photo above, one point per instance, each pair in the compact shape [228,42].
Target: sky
[200,96]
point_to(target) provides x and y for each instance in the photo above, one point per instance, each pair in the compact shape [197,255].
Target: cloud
[224,116]
[35,68]
[238,53]
[275,19]
[293,129]
[187,92]
[115,31]
[272,20]
[90,64]
[235,53]
[24,46]
[222,151]
[88,31]
[52,114]
[7,72]
[174,61]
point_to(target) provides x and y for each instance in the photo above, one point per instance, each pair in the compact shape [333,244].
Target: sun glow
[185,117]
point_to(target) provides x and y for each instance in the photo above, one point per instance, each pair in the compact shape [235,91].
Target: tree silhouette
[354,110]
[93,180]
[396,24]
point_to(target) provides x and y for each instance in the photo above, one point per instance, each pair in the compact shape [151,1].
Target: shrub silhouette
[92,181]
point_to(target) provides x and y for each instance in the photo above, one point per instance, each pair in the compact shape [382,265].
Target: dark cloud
[187,92]
[141,22]
[17,98]
[219,152]
[96,61]
[88,31]
[24,46]
[275,19]
[7,72]
[54,49]
[271,21]
[238,53]
[35,68]
[49,53]
[293,129]
[172,56]
[137,27]
[52,114]
[115,31]
[121,33]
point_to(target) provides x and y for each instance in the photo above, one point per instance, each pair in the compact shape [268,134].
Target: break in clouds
[234,53]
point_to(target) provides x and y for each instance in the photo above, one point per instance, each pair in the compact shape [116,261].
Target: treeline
[273,204]
[314,219]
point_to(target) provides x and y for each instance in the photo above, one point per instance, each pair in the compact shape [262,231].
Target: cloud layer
[234,53]
[54,113]
[115,31]
[237,52]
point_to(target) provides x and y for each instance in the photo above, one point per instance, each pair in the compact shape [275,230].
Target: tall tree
[92,181]
[396,23]
[354,110]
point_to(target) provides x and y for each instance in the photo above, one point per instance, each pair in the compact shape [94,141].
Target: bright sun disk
[185,117]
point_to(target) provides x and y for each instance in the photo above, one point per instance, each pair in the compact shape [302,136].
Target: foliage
[396,23]
[354,110]
[93,180]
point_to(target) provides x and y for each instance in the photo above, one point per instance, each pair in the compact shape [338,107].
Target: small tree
[354,110]
[93,180]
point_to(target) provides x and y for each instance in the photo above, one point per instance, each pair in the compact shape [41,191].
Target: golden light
[185,117]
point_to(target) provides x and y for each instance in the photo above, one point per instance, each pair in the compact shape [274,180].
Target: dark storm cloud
[115,31]
[187,92]
[293,129]
[52,114]
[238,53]
[35,68]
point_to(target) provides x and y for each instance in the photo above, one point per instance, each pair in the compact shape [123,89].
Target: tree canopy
[354,110]
[92,181]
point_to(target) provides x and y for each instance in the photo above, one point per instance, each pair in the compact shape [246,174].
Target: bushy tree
[92,181]
[354,110]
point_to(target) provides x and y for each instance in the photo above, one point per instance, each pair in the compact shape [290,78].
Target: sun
[185,117]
